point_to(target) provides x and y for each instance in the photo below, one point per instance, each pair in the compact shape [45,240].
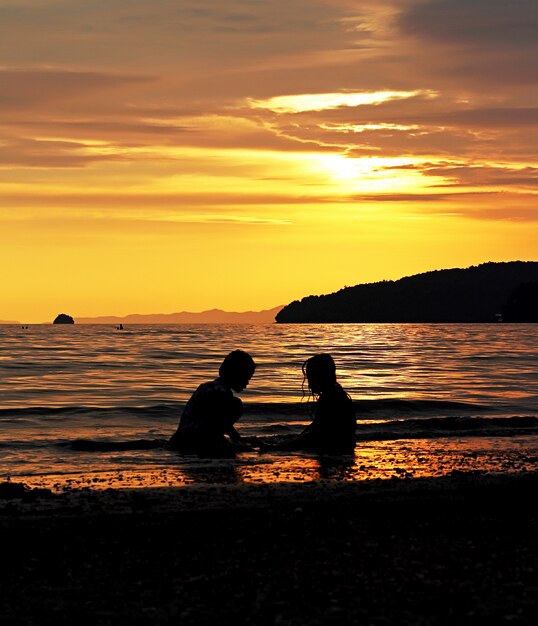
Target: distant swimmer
[120,327]
[207,424]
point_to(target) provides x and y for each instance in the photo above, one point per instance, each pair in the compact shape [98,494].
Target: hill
[212,316]
[475,294]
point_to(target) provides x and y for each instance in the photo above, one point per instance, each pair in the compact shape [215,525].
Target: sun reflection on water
[385,460]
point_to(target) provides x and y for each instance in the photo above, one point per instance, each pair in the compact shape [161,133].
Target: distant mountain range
[212,316]
[483,293]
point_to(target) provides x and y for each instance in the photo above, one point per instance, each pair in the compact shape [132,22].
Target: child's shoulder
[336,393]
[213,386]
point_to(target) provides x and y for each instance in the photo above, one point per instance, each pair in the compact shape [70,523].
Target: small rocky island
[63,319]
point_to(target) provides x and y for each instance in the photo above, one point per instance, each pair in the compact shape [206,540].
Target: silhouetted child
[332,430]
[210,414]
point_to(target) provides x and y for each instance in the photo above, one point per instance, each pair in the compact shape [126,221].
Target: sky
[169,155]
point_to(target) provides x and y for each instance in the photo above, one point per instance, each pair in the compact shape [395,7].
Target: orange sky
[170,155]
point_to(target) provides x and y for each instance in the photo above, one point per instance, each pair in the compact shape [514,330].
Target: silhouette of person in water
[206,426]
[332,430]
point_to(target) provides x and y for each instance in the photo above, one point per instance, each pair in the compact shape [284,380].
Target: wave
[421,428]
[371,408]
[96,411]
[281,407]
[90,445]
[434,428]
[416,406]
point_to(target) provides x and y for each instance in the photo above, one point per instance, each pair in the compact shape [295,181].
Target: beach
[429,399]
[431,521]
[455,549]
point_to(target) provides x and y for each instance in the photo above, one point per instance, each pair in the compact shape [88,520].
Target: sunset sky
[168,155]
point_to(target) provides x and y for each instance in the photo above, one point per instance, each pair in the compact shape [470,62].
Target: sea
[431,400]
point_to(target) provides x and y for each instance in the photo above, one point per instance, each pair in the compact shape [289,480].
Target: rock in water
[63,319]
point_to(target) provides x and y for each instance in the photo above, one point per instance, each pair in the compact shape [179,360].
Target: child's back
[333,427]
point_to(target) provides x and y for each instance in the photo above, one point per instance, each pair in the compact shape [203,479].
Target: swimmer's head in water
[320,372]
[237,369]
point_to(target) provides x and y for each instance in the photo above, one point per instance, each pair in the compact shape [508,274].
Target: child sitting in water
[212,411]
[332,430]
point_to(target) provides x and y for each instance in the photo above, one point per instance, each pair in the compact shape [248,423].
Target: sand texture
[454,550]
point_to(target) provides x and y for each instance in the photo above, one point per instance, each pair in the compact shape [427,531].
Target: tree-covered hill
[475,294]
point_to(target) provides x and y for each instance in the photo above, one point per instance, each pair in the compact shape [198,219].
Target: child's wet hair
[322,364]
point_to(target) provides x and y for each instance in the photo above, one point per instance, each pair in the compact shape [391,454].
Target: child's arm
[301,442]
[233,434]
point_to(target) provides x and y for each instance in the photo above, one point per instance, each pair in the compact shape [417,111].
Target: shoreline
[68,471]
[414,551]
[208,496]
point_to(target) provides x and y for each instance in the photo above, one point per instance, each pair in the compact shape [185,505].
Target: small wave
[419,428]
[369,407]
[286,411]
[90,445]
[450,427]
[276,428]
[415,406]
[501,357]
[94,411]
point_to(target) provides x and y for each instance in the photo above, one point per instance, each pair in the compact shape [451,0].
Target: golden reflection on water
[404,459]
[97,366]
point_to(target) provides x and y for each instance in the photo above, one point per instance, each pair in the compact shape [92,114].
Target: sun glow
[351,175]
[260,172]
[162,177]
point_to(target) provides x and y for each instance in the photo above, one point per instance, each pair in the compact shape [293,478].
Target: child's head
[237,369]
[320,371]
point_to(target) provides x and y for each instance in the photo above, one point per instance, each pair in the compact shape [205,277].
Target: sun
[337,167]
[364,175]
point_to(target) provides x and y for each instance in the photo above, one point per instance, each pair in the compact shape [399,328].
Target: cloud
[300,103]
[48,154]
[418,198]
[221,219]
[477,45]
[445,113]
[32,89]
[166,32]
[473,23]
[139,84]
[485,176]
[318,44]
[182,202]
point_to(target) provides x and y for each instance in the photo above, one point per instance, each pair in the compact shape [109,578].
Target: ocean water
[431,399]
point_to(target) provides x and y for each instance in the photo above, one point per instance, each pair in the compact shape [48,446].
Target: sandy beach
[448,550]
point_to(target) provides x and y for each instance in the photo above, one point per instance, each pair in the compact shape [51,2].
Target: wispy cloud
[324,101]
[485,175]
[58,89]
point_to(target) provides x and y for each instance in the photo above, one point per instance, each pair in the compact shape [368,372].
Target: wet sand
[455,549]
[410,458]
